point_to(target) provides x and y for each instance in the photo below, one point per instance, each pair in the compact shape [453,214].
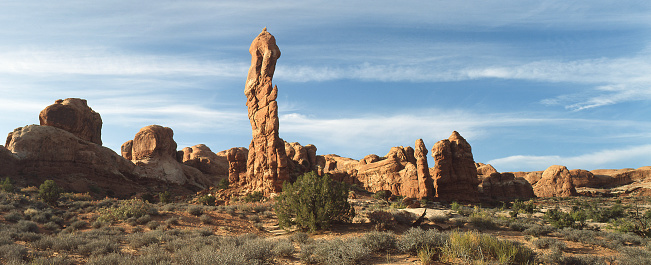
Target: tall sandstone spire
[267,161]
[455,174]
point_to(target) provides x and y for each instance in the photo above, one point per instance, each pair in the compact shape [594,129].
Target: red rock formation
[236,157]
[201,157]
[425,182]
[74,115]
[267,161]
[153,150]
[556,181]
[505,186]
[303,157]
[8,163]
[582,178]
[47,152]
[455,174]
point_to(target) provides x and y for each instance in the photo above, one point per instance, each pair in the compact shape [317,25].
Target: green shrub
[49,192]
[165,197]
[336,251]
[133,208]
[313,203]
[474,246]
[223,184]
[560,219]
[256,196]
[7,186]
[415,239]
[382,195]
[207,200]
[379,241]
[382,220]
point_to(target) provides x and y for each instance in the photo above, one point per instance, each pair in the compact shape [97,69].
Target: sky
[529,84]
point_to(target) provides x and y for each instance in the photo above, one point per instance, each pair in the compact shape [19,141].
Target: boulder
[556,181]
[201,157]
[303,158]
[74,115]
[153,150]
[454,172]
[267,161]
[582,178]
[236,157]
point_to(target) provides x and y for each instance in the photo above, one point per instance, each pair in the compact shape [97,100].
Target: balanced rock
[267,161]
[556,181]
[153,150]
[455,174]
[74,115]
[236,157]
[201,157]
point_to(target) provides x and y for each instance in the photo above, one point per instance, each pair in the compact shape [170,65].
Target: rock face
[74,115]
[267,161]
[497,186]
[153,150]
[237,164]
[302,158]
[50,152]
[8,162]
[455,174]
[201,157]
[556,181]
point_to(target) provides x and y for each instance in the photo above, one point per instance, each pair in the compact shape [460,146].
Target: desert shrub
[26,226]
[482,220]
[283,248]
[223,184]
[51,226]
[560,220]
[13,216]
[336,251]
[382,220]
[138,240]
[153,225]
[99,247]
[207,200]
[300,237]
[206,219]
[110,259]
[142,220]
[133,208]
[7,186]
[379,241]
[405,217]
[545,243]
[538,230]
[76,225]
[474,246]
[172,221]
[13,252]
[195,210]
[165,197]
[255,196]
[415,239]
[49,192]
[524,207]
[382,195]
[633,256]
[313,202]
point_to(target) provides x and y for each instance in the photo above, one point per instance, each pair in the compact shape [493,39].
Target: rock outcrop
[236,157]
[74,115]
[497,186]
[455,174]
[8,163]
[201,157]
[556,181]
[49,152]
[267,161]
[153,150]
[302,158]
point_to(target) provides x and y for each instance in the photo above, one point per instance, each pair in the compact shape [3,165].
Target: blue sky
[528,83]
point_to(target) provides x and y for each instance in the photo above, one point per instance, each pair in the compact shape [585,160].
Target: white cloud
[596,160]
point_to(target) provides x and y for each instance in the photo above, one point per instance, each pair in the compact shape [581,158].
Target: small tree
[7,186]
[313,203]
[49,192]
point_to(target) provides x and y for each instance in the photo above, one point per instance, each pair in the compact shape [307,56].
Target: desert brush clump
[49,192]
[133,208]
[313,202]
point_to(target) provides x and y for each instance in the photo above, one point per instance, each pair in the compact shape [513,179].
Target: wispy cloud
[589,161]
